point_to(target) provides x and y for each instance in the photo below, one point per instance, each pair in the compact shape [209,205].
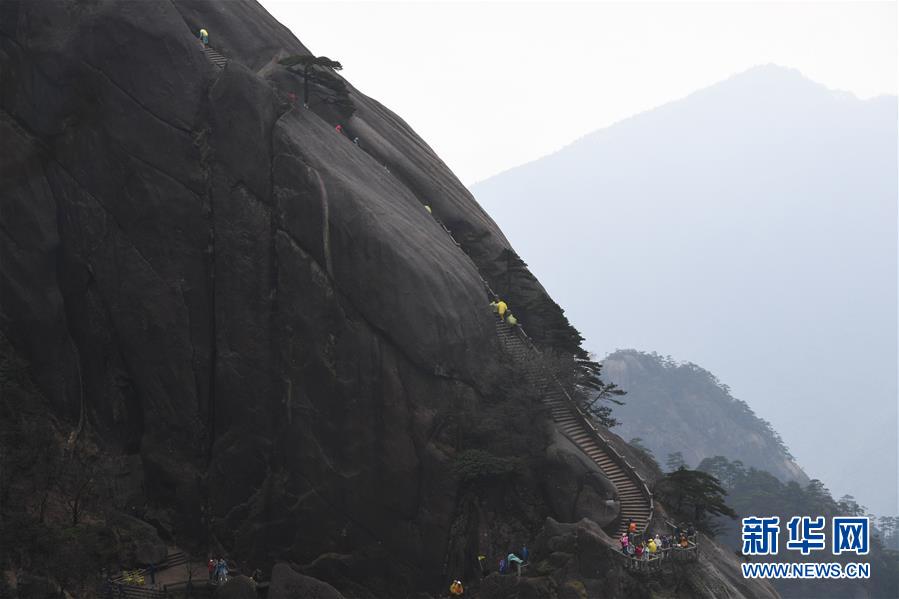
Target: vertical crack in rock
[326,227]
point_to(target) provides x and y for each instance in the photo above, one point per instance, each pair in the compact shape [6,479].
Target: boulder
[576,488]
[139,543]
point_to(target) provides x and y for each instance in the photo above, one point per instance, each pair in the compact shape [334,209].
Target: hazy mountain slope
[682,408]
[750,228]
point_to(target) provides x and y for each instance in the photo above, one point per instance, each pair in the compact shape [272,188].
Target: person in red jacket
[211,567]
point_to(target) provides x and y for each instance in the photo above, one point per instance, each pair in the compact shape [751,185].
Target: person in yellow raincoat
[501,308]
[204,37]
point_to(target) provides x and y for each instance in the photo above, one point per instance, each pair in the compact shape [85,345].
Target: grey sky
[494,85]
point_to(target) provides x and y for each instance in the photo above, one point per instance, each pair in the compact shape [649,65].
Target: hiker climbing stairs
[634,497]
[635,500]
[216,58]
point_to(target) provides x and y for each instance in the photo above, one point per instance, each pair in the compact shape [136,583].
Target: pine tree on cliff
[544,319]
[309,62]
[675,461]
[694,495]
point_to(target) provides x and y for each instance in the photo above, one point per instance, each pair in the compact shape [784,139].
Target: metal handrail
[629,470]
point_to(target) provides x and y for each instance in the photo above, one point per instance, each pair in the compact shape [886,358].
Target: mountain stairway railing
[176,558]
[635,498]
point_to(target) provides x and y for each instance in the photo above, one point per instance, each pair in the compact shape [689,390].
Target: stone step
[628,514]
[621,485]
[630,493]
[608,466]
[600,456]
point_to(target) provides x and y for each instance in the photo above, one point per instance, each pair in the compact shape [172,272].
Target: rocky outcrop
[575,486]
[138,541]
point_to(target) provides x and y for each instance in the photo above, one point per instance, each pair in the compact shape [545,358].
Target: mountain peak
[772,76]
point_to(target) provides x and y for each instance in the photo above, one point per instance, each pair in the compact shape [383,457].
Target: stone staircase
[216,58]
[633,494]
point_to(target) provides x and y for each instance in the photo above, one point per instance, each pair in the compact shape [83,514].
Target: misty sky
[493,85]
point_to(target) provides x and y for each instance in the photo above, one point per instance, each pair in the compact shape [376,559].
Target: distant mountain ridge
[749,227]
[681,407]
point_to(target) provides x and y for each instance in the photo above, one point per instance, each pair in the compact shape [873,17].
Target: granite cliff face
[254,317]
[211,278]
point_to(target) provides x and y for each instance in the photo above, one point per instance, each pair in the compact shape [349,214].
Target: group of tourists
[513,560]
[516,561]
[218,570]
[501,309]
[339,128]
[648,547]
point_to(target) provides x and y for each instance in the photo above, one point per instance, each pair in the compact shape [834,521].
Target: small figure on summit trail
[456,589]
[631,526]
[510,319]
[482,564]
[204,37]
[512,558]
[501,308]
[339,129]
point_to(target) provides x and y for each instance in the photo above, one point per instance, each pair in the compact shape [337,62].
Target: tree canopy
[695,496]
